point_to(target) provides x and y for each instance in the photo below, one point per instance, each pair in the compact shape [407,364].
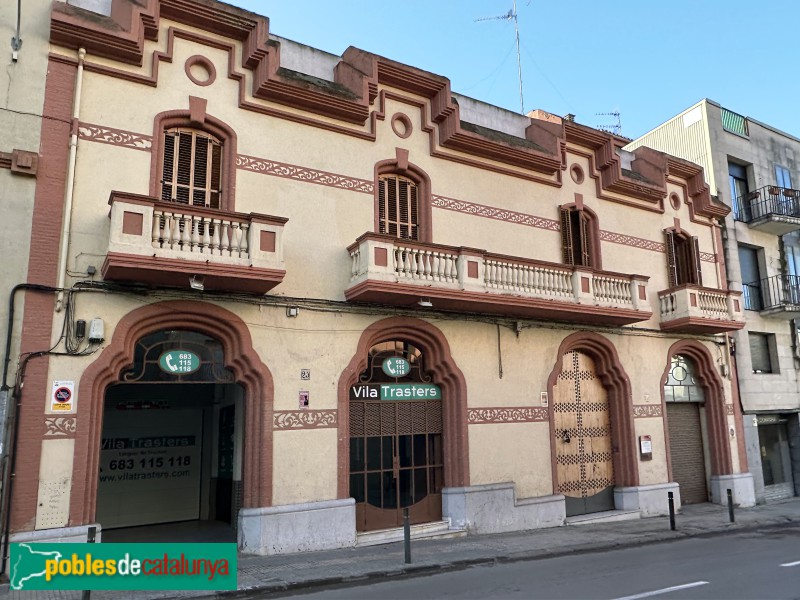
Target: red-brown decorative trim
[645,411]
[240,358]
[700,201]
[115,137]
[498,214]
[716,419]
[60,426]
[700,325]
[738,421]
[304,419]
[165,272]
[38,311]
[618,387]
[446,374]
[5,160]
[674,201]
[634,242]
[508,414]
[401,125]
[288,171]
[576,173]
[198,59]
[407,295]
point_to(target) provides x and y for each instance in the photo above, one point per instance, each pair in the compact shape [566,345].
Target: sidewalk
[296,571]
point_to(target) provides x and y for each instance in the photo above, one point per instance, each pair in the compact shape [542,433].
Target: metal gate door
[584,465]
[686,451]
[396,462]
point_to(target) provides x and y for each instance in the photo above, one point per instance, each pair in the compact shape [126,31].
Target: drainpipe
[70,187]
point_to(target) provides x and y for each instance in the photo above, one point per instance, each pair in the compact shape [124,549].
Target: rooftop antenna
[512,16]
[616,127]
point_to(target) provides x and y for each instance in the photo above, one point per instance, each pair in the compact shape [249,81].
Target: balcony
[771,209]
[695,309]
[386,270]
[777,296]
[164,244]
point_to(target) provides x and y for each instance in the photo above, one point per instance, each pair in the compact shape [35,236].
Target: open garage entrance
[170,464]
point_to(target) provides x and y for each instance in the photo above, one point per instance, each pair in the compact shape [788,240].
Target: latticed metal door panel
[396,461]
[584,460]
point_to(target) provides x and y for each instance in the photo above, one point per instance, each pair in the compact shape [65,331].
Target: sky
[647,59]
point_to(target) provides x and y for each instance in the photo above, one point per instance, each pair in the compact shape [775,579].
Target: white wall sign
[62,398]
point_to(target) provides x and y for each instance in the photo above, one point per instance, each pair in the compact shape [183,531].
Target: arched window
[579,237]
[398,207]
[194,159]
[681,384]
[192,168]
[683,259]
[402,199]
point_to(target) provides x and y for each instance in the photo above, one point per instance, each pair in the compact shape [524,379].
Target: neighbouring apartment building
[755,169]
[304,292]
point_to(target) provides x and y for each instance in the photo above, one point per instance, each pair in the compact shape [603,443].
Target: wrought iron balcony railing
[770,201]
[777,292]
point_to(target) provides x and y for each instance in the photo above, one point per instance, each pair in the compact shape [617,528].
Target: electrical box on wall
[96,331]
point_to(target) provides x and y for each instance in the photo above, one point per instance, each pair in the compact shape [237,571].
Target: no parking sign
[63,400]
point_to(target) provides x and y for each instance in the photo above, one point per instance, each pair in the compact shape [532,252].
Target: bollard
[671,511]
[407,535]
[90,537]
[730,506]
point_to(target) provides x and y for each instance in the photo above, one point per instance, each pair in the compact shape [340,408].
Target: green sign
[396,366]
[123,566]
[395,391]
[179,362]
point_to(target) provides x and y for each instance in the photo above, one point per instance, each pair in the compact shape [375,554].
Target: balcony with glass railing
[390,271]
[772,209]
[777,296]
[169,244]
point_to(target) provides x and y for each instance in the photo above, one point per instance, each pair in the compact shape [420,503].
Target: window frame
[580,237]
[191,188]
[201,123]
[783,176]
[683,264]
[401,168]
[770,353]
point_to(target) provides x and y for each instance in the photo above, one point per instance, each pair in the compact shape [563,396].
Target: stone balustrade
[692,308]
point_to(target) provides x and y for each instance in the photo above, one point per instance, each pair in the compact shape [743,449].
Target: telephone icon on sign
[171,367]
[390,368]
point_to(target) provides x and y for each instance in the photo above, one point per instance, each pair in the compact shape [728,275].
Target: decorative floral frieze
[270,167]
[58,426]
[115,137]
[528,414]
[304,419]
[491,212]
[634,242]
[646,410]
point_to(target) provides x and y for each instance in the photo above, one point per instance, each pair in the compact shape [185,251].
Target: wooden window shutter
[398,207]
[672,261]
[586,253]
[192,168]
[697,267]
[566,237]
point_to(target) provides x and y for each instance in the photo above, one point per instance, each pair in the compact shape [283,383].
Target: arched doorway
[685,403]
[584,459]
[591,424]
[171,449]
[240,359]
[408,335]
[695,420]
[396,452]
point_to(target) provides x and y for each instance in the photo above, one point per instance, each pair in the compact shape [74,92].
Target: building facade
[754,168]
[305,292]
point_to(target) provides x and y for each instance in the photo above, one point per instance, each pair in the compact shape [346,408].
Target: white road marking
[674,588]
[791,564]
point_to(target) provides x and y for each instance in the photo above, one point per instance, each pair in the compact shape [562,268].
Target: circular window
[576,173]
[200,70]
[401,125]
[675,201]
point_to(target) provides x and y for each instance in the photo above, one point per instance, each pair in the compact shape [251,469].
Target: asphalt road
[758,565]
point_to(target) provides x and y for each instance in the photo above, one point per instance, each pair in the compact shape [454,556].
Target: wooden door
[584,465]
[396,462]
